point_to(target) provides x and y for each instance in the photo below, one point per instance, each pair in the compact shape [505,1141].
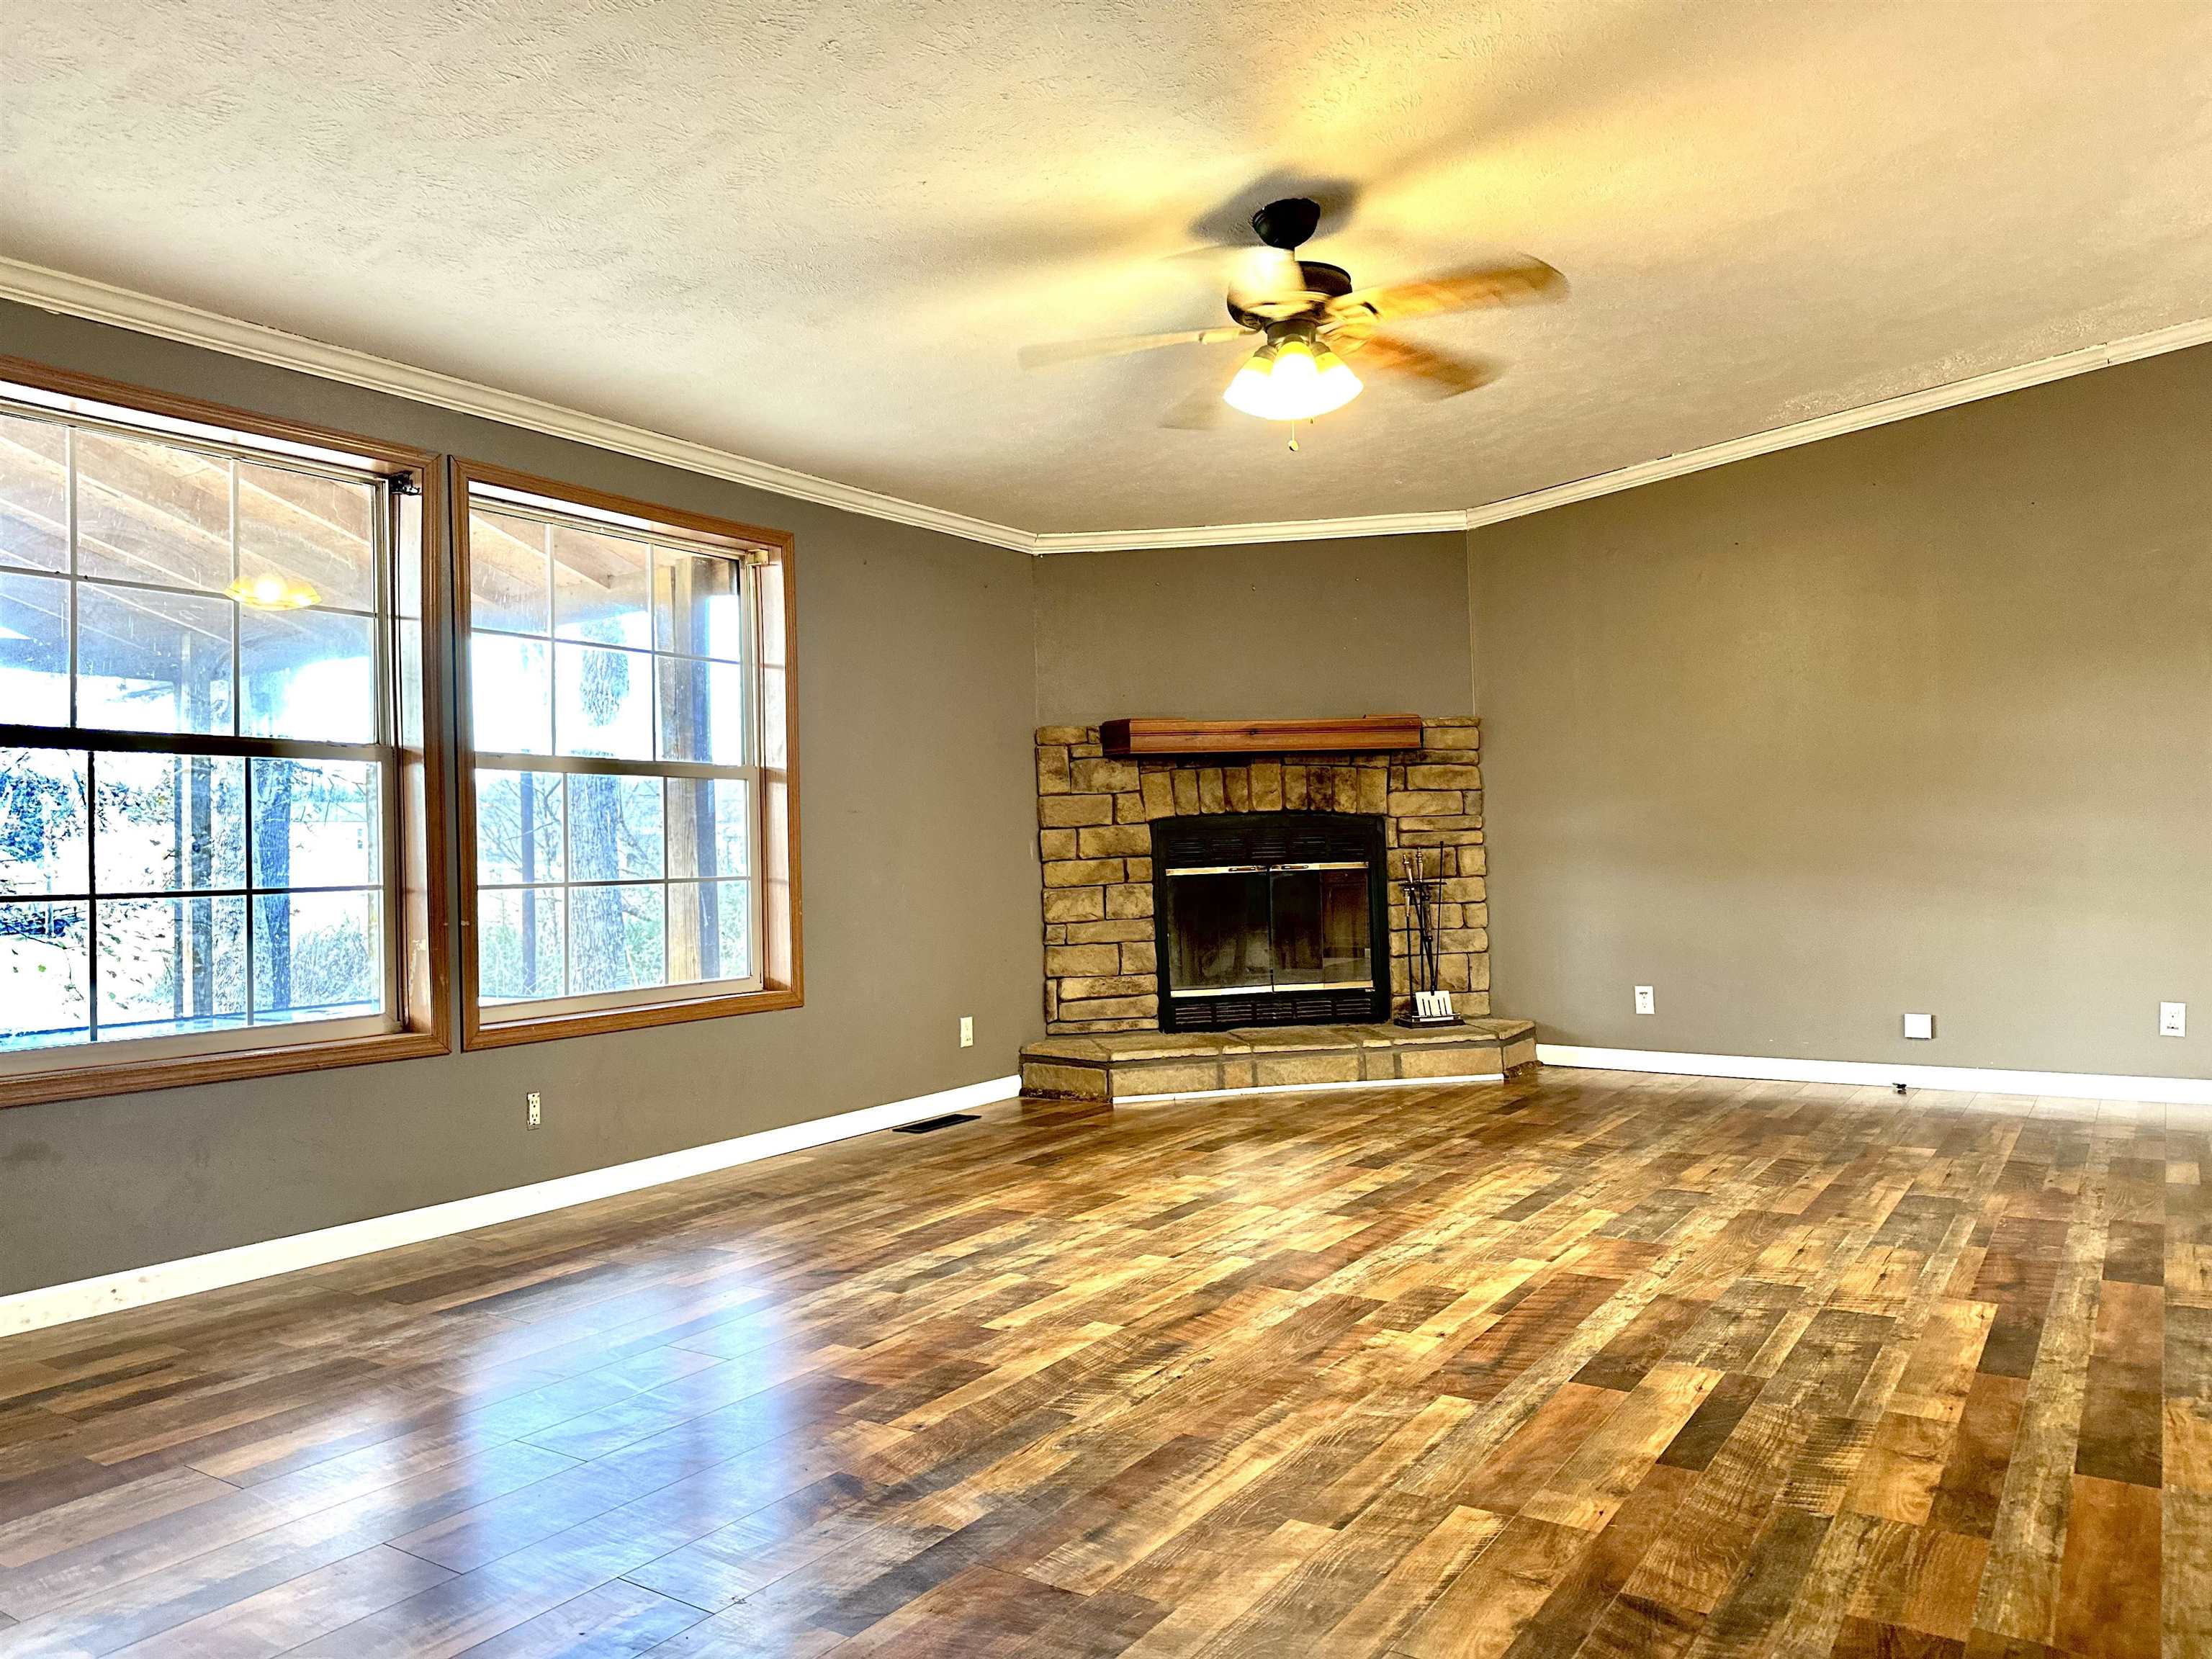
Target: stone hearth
[1095,816]
[1131,1065]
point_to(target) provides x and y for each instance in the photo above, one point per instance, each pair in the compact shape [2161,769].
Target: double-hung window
[214,843]
[629,780]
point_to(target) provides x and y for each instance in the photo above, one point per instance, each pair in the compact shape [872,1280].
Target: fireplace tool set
[1432,1004]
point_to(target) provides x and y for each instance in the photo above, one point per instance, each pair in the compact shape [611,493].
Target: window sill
[122,1076]
[502,1033]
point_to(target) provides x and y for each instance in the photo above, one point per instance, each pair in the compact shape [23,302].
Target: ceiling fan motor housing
[1286,223]
[1323,282]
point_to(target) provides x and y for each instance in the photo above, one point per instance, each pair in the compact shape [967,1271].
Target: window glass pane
[406,519]
[648,660]
[42,820]
[614,828]
[155,645]
[702,711]
[148,512]
[605,702]
[308,529]
[698,605]
[518,944]
[511,694]
[34,649]
[153,662]
[708,826]
[317,955]
[506,573]
[308,674]
[169,823]
[46,967]
[317,823]
[407,715]
[171,964]
[34,493]
[616,938]
[773,751]
[518,827]
[601,588]
[709,933]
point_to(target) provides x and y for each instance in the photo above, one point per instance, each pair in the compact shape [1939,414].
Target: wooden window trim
[782,976]
[425,975]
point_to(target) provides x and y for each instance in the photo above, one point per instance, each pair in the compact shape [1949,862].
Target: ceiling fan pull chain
[1294,437]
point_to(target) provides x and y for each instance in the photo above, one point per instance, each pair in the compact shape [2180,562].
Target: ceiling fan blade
[1120,345]
[1439,375]
[1460,290]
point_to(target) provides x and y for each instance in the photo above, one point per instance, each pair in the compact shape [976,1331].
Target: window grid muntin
[516,505]
[382,618]
[125,585]
[94,894]
[90,741]
[745,877]
[553,640]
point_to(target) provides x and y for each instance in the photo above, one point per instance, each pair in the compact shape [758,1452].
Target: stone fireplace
[1271,919]
[1127,853]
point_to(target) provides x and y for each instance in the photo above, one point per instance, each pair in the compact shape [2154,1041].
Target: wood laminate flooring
[1587,1364]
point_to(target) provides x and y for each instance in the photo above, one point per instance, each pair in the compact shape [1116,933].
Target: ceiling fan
[1308,318]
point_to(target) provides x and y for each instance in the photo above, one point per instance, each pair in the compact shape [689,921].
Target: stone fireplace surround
[1094,837]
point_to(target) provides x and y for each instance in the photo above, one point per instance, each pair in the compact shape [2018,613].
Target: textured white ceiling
[814,233]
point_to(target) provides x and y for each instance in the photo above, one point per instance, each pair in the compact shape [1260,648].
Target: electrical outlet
[967,1030]
[1921,1028]
[537,1109]
[1644,1005]
[2173,1020]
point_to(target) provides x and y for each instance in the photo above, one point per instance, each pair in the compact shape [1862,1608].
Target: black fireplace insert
[1271,919]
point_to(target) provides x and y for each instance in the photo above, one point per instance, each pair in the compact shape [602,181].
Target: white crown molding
[101,302]
[1950,395]
[1231,535]
[1881,1074]
[58,1304]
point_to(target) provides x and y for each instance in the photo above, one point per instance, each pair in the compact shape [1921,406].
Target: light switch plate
[2173,1020]
[1921,1028]
[1644,1005]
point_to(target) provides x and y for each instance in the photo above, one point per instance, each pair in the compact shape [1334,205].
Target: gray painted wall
[920,883]
[1373,625]
[1917,719]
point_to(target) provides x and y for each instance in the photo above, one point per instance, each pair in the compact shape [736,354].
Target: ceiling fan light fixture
[1250,391]
[1291,379]
[1337,382]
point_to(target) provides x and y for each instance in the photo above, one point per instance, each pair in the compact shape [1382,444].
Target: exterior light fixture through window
[272,593]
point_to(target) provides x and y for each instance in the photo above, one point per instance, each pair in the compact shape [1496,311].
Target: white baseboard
[1968,1079]
[57,1304]
[1313,1088]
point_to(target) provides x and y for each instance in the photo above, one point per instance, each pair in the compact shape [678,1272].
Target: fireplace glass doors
[1268,919]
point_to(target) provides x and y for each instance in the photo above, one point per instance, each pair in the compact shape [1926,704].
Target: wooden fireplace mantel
[1365,732]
